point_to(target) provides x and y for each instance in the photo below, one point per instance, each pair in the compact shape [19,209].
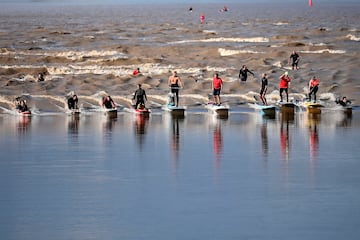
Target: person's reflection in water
[217,145]
[312,123]
[346,120]
[264,140]
[284,139]
[108,127]
[313,141]
[175,141]
[73,124]
[23,125]
[140,128]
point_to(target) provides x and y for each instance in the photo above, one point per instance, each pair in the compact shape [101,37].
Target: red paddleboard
[310,3]
[25,113]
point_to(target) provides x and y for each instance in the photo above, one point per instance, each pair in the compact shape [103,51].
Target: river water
[244,177]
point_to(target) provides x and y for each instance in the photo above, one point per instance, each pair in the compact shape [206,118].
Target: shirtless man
[175,83]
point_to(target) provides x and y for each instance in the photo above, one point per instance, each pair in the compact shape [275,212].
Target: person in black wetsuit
[243,73]
[108,102]
[175,83]
[22,107]
[294,58]
[41,77]
[343,101]
[140,97]
[73,102]
[264,87]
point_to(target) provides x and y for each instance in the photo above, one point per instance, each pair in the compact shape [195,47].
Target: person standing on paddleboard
[284,85]
[217,85]
[243,73]
[264,87]
[140,97]
[313,87]
[295,59]
[175,83]
[202,18]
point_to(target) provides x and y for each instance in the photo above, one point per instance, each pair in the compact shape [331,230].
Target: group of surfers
[175,83]
[285,80]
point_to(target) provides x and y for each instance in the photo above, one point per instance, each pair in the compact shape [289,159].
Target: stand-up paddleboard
[218,110]
[25,113]
[287,107]
[110,112]
[176,111]
[74,111]
[314,108]
[139,111]
[268,110]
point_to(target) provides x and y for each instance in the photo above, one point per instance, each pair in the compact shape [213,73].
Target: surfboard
[110,112]
[314,108]
[74,111]
[287,107]
[177,111]
[25,113]
[269,110]
[221,111]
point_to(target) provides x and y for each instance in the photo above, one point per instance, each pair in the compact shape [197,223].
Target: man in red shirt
[313,87]
[217,84]
[284,85]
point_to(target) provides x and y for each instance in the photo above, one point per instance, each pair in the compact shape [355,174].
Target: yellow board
[313,107]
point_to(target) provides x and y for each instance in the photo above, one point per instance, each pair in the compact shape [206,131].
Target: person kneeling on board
[20,105]
[140,97]
[73,102]
[108,102]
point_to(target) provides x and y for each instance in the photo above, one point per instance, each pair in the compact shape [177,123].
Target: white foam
[277,64]
[72,55]
[222,39]
[317,44]
[225,52]
[353,37]
[210,31]
[280,23]
[325,51]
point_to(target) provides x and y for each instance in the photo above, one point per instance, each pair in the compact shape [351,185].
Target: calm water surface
[244,177]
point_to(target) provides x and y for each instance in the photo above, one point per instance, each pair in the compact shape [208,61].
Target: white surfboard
[110,112]
[175,110]
[269,110]
[222,110]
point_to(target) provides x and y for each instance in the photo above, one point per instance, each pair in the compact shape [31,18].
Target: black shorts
[216,92]
[175,88]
